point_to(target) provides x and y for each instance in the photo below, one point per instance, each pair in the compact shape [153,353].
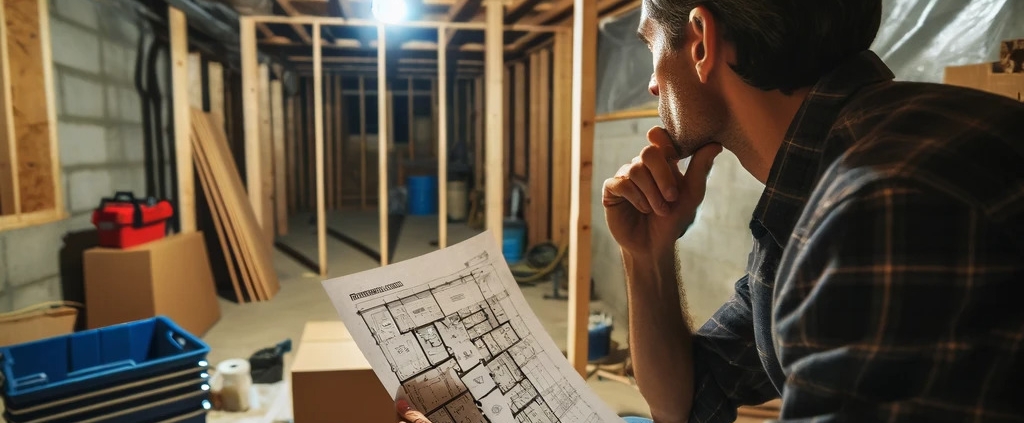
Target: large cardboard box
[169,277]
[332,381]
[37,324]
[981,77]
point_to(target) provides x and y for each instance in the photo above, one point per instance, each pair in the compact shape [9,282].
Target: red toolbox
[125,221]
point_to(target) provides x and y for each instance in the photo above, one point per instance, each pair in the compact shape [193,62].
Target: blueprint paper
[452,330]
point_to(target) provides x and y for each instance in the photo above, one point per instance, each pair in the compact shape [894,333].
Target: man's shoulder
[964,142]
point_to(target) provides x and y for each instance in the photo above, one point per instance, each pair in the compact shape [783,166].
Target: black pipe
[147,119]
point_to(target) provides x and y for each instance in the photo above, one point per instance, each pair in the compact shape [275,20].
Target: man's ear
[704,49]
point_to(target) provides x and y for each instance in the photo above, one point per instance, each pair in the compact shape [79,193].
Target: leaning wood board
[242,218]
[245,235]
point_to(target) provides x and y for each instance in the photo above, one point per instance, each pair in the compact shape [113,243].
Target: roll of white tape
[236,383]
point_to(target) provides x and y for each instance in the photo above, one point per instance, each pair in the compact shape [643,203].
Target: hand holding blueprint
[452,330]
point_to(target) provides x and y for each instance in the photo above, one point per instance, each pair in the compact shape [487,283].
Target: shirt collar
[793,174]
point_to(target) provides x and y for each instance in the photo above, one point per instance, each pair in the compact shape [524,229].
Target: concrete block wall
[712,255]
[100,138]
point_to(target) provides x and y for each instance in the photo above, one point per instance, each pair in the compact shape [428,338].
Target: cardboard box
[169,277]
[37,324]
[981,77]
[332,381]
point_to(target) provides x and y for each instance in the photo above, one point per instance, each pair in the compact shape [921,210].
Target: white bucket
[457,200]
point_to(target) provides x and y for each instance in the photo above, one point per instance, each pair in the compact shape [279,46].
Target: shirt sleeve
[727,368]
[900,303]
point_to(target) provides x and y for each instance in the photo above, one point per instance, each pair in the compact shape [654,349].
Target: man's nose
[652,86]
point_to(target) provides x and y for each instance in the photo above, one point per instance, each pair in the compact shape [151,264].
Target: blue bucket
[422,195]
[513,238]
[599,342]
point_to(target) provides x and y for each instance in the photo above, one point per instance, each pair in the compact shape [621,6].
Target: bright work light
[389,11]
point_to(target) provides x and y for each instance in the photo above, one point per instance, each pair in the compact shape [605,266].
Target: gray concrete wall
[713,253]
[100,138]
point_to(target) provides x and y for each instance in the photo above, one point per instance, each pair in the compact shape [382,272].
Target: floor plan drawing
[452,332]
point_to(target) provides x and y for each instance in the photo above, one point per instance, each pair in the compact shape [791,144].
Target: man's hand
[407,414]
[649,203]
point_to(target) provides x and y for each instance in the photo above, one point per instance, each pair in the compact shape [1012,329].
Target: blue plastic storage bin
[115,398]
[68,365]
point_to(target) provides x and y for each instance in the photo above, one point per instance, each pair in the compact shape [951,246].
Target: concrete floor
[243,329]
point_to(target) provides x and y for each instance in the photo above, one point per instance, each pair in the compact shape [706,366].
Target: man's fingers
[641,176]
[409,414]
[662,170]
[618,189]
[700,166]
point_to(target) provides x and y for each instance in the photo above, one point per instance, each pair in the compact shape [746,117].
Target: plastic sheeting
[917,40]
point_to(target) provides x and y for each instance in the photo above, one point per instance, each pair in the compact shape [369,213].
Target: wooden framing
[442,140]
[266,140]
[494,57]
[251,105]
[584,67]
[340,140]
[280,174]
[540,141]
[519,111]
[412,122]
[561,133]
[182,145]
[478,124]
[321,212]
[30,161]
[328,89]
[362,140]
[331,21]
[383,132]
[506,148]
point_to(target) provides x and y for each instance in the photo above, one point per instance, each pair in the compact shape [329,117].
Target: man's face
[692,112]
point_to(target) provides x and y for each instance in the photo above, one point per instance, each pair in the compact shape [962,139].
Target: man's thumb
[700,166]
[408,413]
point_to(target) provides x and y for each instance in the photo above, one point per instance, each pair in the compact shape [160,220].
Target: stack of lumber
[246,252]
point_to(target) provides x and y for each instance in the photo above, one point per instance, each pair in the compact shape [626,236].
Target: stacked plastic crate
[145,371]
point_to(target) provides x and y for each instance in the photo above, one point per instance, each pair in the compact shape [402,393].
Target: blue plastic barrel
[513,239]
[599,342]
[422,194]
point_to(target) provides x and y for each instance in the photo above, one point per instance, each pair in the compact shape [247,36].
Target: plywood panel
[251,105]
[10,200]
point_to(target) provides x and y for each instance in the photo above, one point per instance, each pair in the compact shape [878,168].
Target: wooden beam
[182,123]
[434,113]
[584,67]
[493,40]
[291,122]
[215,83]
[507,129]
[362,141]
[251,104]
[412,123]
[382,143]
[266,31]
[544,144]
[463,10]
[45,58]
[318,113]
[519,110]
[478,138]
[329,183]
[442,142]
[561,109]
[286,5]
[266,156]
[520,10]
[280,174]
[340,138]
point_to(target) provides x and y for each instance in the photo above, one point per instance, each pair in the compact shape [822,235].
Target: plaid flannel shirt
[887,268]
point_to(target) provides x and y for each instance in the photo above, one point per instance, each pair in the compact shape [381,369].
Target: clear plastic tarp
[917,39]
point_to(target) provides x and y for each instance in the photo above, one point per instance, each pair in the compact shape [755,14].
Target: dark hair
[781,44]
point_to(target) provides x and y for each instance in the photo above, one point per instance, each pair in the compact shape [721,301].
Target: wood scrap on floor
[245,251]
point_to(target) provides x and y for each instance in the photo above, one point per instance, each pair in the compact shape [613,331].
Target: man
[884,281]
